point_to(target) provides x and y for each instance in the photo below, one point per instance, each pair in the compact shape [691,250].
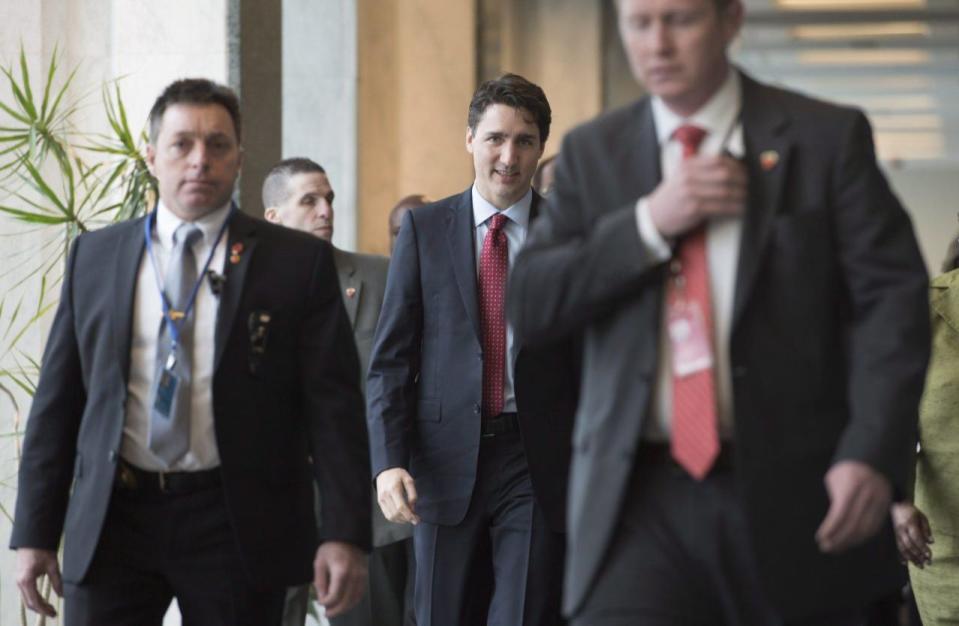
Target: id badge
[166,393]
[688,339]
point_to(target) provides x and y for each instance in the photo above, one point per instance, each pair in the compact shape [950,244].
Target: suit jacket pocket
[803,232]
[429,411]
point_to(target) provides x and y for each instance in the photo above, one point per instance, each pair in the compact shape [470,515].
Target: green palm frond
[53,178]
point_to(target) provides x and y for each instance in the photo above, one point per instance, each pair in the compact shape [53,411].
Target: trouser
[155,547]
[500,566]
[681,556]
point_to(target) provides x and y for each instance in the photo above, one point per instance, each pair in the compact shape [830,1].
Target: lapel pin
[235,252]
[350,292]
[768,159]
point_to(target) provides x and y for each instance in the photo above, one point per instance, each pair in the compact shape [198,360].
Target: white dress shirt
[147,317]
[516,227]
[720,118]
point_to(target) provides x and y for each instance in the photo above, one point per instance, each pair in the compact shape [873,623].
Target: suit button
[112,456]
[739,372]
[477,408]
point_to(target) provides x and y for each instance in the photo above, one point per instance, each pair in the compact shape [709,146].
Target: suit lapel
[639,154]
[350,283]
[128,257]
[461,239]
[768,153]
[239,251]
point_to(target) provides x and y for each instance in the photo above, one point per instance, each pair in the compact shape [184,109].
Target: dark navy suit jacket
[424,389]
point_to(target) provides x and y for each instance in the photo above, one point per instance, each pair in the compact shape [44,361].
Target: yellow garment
[937,471]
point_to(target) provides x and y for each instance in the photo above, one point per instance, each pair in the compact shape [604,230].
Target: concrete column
[256,57]
[320,99]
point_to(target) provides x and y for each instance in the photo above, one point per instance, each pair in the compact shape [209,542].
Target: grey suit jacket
[828,346]
[362,284]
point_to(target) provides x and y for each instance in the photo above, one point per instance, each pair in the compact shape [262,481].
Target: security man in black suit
[178,420]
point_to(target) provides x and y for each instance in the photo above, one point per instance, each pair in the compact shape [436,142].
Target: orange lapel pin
[235,253]
[350,292]
[768,159]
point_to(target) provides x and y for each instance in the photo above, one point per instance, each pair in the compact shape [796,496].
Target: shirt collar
[717,116]
[518,212]
[167,222]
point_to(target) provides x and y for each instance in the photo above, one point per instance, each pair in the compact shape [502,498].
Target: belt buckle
[127,478]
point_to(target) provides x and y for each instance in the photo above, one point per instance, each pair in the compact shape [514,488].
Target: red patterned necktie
[695,434]
[494,265]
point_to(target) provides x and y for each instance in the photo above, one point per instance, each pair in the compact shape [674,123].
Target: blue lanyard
[172,326]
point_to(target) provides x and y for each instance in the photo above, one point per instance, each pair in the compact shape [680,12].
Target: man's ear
[469,140]
[272,215]
[151,156]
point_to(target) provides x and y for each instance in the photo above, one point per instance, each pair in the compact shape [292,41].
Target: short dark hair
[194,91]
[514,91]
[275,189]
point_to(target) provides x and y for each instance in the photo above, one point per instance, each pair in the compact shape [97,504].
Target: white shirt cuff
[651,238]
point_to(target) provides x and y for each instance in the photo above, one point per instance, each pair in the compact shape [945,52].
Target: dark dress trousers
[828,347]
[282,416]
[424,393]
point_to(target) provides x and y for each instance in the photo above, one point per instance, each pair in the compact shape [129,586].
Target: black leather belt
[133,479]
[502,424]
[660,454]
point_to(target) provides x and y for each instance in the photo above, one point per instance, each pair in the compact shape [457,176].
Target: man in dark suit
[297,193]
[199,370]
[470,430]
[752,298]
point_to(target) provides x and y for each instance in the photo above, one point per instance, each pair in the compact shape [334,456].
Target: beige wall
[418,68]
[416,76]
[557,44]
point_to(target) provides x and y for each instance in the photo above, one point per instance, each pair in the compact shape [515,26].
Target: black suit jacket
[301,413]
[829,341]
[424,389]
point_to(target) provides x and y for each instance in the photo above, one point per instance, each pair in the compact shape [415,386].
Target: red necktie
[695,436]
[494,265]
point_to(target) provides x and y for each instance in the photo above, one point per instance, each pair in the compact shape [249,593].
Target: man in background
[397,212]
[297,194]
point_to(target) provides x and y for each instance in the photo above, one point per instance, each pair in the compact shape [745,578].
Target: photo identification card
[688,339]
[166,393]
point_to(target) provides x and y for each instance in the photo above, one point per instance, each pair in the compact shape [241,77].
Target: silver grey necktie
[169,435]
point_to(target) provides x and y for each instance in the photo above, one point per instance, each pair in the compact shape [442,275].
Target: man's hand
[33,563]
[913,534]
[702,187]
[859,502]
[396,494]
[339,575]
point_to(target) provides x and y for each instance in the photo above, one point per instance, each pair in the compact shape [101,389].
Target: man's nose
[199,156]
[660,38]
[509,154]
[324,209]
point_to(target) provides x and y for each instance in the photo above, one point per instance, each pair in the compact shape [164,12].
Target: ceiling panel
[896,59]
